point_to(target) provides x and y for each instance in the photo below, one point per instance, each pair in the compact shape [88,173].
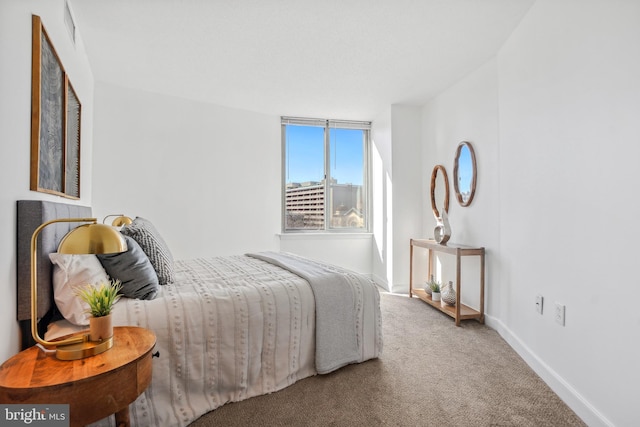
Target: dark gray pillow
[133,269]
[143,231]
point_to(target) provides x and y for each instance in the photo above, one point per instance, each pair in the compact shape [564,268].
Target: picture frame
[55,121]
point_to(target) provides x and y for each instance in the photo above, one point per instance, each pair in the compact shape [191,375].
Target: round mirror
[439,190]
[464,173]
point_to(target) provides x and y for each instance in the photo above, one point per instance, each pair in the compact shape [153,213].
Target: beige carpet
[431,373]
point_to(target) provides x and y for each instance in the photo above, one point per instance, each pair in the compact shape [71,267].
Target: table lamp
[119,221]
[92,238]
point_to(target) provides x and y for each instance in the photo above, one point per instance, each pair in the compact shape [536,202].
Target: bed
[227,328]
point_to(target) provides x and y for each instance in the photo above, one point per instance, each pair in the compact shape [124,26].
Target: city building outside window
[326,166]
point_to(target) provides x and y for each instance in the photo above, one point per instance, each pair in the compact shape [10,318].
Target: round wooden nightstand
[94,387]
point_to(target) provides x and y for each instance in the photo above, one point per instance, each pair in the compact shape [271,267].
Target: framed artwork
[55,121]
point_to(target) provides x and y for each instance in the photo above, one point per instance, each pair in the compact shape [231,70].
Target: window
[326,174]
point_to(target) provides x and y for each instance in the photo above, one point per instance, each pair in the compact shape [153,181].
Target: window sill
[325,236]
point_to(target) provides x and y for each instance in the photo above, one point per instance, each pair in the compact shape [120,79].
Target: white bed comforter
[231,328]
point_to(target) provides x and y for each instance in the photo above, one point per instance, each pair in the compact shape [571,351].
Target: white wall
[467,112]
[15,133]
[407,194]
[397,193]
[561,185]
[382,190]
[208,177]
[349,250]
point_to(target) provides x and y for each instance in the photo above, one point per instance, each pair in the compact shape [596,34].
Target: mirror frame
[434,175]
[473,176]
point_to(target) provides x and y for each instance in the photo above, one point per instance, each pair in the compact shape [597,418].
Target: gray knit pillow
[143,232]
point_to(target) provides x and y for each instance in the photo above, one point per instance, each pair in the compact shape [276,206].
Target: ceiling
[341,59]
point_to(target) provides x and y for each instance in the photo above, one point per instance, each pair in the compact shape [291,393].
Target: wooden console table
[459,311]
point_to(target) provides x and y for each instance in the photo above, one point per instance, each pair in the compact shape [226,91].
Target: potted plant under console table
[459,311]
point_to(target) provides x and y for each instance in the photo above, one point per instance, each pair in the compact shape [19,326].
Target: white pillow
[69,272]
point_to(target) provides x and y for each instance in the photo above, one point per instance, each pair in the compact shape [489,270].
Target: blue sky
[305,158]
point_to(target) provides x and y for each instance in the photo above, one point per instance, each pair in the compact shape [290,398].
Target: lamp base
[83,349]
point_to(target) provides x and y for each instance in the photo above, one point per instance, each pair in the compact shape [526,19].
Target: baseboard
[380,281]
[590,415]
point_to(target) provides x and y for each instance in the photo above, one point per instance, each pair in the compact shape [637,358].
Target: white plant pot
[435,296]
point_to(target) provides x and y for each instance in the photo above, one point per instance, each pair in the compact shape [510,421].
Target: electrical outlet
[539,303]
[560,309]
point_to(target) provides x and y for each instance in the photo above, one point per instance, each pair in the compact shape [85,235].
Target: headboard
[31,214]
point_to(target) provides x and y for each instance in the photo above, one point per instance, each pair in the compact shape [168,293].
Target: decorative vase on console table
[442,232]
[448,294]
[427,286]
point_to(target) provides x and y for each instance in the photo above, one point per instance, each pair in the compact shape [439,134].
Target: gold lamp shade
[92,239]
[119,221]
[85,239]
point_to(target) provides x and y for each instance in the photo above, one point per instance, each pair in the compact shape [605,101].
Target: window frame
[327,125]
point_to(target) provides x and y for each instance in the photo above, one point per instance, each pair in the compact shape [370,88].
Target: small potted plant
[435,290]
[100,299]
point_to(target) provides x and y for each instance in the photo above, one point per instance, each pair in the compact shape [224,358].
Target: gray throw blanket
[336,335]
